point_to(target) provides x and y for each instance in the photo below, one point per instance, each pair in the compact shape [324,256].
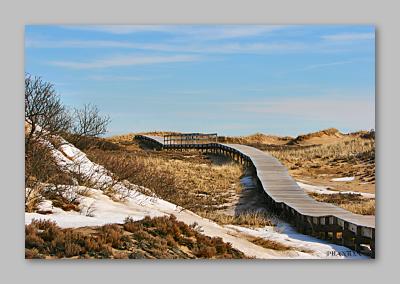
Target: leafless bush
[62,196]
[46,116]
[41,169]
[33,197]
[43,110]
[40,166]
[88,121]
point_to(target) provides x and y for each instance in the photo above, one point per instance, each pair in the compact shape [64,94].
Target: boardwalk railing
[189,139]
[283,195]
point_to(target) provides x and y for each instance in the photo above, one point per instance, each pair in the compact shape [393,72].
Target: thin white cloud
[349,37]
[323,65]
[200,32]
[32,43]
[119,29]
[228,31]
[117,78]
[119,61]
[230,48]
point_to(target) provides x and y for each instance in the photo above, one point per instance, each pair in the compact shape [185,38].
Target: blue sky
[229,79]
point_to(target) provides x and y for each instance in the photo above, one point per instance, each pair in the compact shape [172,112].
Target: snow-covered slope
[98,209]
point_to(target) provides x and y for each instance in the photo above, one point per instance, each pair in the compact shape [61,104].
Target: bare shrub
[62,196]
[40,166]
[160,237]
[160,232]
[88,121]
[44,111]
[41,169]
[72,249]
[33,198]
[32,253]
[112,234]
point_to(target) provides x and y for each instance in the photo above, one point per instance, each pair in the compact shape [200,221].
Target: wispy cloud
[200,32]
[229,31]
[116,78]
[349,37]
[118,29]
[119,61]
[323,65]
[221,48]
[34,43]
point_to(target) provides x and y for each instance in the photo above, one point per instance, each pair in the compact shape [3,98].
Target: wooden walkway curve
[284,196]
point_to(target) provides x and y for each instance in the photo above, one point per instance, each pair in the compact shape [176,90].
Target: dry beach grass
[188,179]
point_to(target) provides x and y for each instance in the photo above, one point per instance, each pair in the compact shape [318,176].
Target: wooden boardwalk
[284,196]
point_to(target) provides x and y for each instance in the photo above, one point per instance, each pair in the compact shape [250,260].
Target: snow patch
[306,246]
[324,190]
[343,179]
[96,210]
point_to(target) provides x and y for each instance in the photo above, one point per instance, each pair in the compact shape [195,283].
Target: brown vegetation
[257,138]
[129,137]
[247,219]
[188,179]
[325,136]
[274,245]
[160,237]
[351,156]
[41,169]
[46,118]
[268,244]
[352,202]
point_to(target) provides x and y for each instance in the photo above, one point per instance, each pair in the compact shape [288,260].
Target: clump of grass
[247,219]
[275,245]
[269,244]
[364,208]
[352,202]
